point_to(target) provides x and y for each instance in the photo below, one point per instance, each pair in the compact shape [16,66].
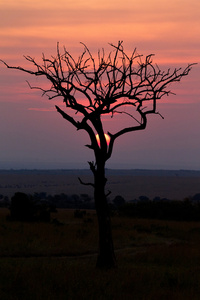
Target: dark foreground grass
[156,260]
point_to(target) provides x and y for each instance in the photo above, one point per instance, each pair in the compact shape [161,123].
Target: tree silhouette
[106,85]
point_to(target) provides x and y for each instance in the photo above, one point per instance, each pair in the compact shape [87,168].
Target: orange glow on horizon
[106,137]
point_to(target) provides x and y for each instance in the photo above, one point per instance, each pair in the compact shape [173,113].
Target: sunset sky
[33,134]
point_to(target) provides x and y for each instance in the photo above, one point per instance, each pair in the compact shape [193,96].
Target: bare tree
[106,85]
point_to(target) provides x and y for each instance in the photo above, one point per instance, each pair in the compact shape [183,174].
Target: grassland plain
[130,184]
[156,259]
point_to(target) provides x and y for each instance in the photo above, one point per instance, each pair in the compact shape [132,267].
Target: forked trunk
[106,257]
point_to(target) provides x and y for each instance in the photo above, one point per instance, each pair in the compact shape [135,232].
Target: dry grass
[156,260]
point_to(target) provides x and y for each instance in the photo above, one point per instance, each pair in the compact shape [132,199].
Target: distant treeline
[82,201]
[164,210]
[39,206]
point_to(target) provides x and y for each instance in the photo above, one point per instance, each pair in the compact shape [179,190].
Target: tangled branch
[93,88]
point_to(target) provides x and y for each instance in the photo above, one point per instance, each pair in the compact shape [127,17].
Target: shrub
[25,208]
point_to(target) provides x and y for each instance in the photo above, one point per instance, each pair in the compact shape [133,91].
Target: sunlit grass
[156,259]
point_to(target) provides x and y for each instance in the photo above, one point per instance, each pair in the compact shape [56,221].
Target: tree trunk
[106,257]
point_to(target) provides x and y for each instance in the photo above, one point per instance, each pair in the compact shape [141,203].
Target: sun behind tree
[109,85]
[106,137]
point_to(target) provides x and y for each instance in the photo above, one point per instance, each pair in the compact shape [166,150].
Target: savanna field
[157,259]
[97,66]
